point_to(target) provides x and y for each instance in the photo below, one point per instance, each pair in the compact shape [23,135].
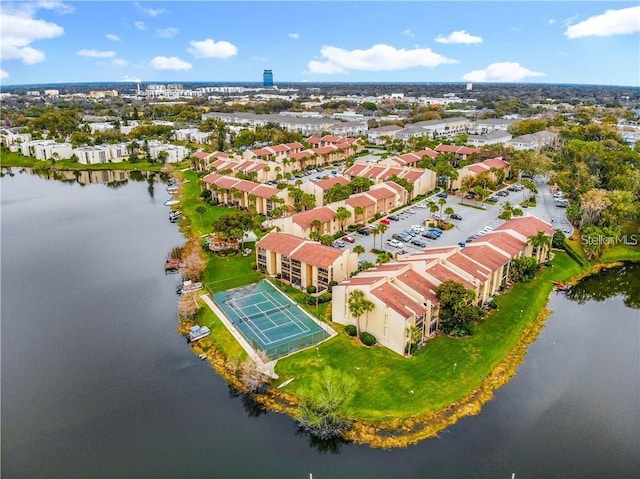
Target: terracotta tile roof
[329,182]
[419,284]
[381,193]
[227,182]
[256,166]
[398,300]
[245,186]
[218,163]
[496,163]
[280,148]
[294,146]
[300,155]
[323,150]
[211,178]
[202,155]
[243,166]
[486,255]
[412,175]
[356,169]
[262,152]
[458,150]
[395,186]
[361,199]
[304,219]
[313,140]
[442,274]
[504,241]
[345,145]
[375,171]
[265,191]
[316,254]
[466,264]
[390,267]
[331,139]
[478,168]
[527,226]
[282,243]
[361,280]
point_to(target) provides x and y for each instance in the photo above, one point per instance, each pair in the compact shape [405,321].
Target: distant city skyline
[474,41]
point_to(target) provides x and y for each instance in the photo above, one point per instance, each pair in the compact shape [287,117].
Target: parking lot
[473,221]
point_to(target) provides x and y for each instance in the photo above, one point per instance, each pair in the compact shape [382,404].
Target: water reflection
[249,403]
[112,178]
[623,281]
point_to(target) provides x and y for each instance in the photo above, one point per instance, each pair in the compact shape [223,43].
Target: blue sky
[339,41]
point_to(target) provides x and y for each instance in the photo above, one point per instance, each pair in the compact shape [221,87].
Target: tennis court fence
[288,347]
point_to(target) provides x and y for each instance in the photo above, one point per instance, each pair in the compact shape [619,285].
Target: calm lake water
[96,383]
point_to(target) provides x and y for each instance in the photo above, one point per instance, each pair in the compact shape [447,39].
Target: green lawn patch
[220,335]
[622,252]
[442,373]
[227,272]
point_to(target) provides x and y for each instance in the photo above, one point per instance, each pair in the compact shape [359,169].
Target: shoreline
[404,432]
[391,433]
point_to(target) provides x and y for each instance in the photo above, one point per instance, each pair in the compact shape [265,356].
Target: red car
[385,221]
[349,239]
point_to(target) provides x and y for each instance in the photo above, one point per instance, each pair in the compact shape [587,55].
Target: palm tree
[358,249]
[359,305]
[200,209]
[315,236]
[449,211]
[442,202]
[316,225]
[375,231]
[541,243]
[359,211]
[342,215]
[433,207]
[382,228]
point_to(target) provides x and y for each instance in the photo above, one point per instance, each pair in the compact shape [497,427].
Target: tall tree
[358,306]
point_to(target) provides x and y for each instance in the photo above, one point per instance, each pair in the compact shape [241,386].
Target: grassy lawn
[224,273]
[621,252]
[220,335]
[323,310]
[447,369]
[16,159]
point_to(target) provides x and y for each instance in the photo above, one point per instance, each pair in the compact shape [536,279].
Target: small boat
[172,189]
[171,202]
[561,286]
[189,287]
[172,266]
[202,356]
[198,332]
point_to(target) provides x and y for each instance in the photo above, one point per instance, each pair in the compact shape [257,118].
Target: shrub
[205,195]
[558,240]
[324,298]
[311,289]
[492,304]
[368,339]
[350,329]
[254,265]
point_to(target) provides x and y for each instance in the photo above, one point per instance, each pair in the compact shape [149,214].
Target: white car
[420,205]
[417,228]
[394,243]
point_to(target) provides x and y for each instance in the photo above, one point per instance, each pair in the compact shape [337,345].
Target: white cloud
[4,74]
[295,36]
[377,58]
[29,9]
[210,49]
[169,63]
[113,37]
[19,31]
[611,22]
[152,12]
[501,72]
[140,25]
[551,21]
[119,62]
[95,53]
[459,36]
[408,33]
[324,67]
[168,32]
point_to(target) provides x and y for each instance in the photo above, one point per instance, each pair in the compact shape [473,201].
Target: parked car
[417,228]
[394,243]
[420,205]
[471,238]
[399,237]
[349,239]
[492,199]
[462,245]
[502,193]
[366,231]
[419,242]
[442,195]
[385,221]
[338,244]
[435,229]
[470,196]
[393,218]
[455,216]
[430,235]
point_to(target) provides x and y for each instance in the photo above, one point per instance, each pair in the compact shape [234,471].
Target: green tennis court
[269,320]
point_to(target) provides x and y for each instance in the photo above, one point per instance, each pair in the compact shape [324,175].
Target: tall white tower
[138,84]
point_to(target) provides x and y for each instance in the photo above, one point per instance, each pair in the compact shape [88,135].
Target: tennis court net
[266,312]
